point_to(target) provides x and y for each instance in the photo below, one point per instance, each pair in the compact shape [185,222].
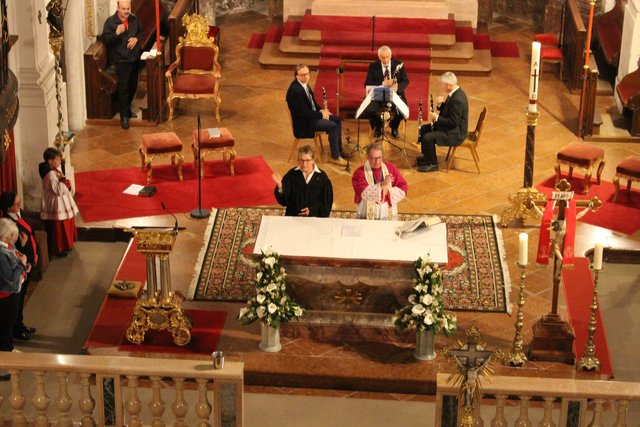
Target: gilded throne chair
[195,74]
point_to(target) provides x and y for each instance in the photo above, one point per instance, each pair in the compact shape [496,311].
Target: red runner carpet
[257,40]
[578,291]
[110,326]
[100,194]
[504,49]
[622,216]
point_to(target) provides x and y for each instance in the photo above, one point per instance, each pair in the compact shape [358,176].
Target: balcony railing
[64,390]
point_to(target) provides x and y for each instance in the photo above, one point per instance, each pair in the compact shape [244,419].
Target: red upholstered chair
[212,144]
[546,39]
[551,55]
[162,144]
[579,154]
[628,169]
[195,74]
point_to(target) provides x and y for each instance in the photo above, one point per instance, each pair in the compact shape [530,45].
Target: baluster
[180,407]
[64,401]
[203,408]
[547,420]
[598,407]
[523,419]
[621,406]
[498,419]
[477,418]
[40,401]
[17,400]
[157,405]
[86,402]
[133,405]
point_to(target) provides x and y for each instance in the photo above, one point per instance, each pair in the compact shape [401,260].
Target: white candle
[535,73]
[524,249]
[597,256]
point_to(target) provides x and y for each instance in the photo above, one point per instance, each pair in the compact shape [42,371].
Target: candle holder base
[588,363]
[519,208]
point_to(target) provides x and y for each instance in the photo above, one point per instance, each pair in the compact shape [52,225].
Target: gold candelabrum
[589,361]
[160,309]
[518,357]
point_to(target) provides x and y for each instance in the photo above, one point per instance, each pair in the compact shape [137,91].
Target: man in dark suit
[308,117]
[390,73]
[448,125]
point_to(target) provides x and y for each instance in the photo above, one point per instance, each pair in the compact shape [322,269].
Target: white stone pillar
[33,65]
[75,43]
[630,48]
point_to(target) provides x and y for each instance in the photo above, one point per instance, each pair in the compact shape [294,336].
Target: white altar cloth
[350,239]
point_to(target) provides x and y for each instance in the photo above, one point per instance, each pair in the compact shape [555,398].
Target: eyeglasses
[305,160]
[375,158]
[303,74]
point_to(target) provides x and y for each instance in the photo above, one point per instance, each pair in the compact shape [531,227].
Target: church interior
[332,372]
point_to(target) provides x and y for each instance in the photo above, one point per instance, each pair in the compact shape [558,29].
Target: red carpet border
[578,291]
[100,194]
[623,216]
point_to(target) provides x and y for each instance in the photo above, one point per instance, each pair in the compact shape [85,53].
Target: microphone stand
[199,213]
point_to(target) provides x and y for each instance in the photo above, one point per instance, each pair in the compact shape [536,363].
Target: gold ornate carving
[197,29]
[88,18]
[160,314]
[155,242]
[348,297]
[6,143]
[520,203]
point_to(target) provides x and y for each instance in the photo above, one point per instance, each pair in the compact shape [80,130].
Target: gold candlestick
[589,361]
[517,357]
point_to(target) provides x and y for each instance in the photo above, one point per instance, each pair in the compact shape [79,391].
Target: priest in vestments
[378,187]
[305,190]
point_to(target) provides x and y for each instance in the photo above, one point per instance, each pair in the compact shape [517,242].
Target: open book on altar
[417,224]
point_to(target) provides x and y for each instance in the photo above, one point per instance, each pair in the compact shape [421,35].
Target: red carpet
[578,291]
[111,324]
[274,34]
[256,41]
[99,193]
[504,49]
[623,216]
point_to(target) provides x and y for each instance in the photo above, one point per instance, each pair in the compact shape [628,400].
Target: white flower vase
[270,339]
[425,345]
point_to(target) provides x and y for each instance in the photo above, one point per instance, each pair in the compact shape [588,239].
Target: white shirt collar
[315,170]
[5,244]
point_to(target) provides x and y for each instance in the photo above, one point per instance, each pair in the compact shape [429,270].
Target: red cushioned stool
[579,154]
[628,169]
[161,144]
[209,144]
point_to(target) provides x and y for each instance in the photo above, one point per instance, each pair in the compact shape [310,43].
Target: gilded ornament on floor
[160,314]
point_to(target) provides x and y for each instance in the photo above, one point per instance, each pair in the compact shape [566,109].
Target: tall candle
[535,73]
[597,256]
[524,249]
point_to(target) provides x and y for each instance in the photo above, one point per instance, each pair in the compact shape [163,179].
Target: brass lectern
[159,309]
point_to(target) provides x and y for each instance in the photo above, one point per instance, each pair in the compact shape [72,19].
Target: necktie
[313,104]
[387,75]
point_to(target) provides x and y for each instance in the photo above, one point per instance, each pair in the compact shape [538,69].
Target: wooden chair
[579,154]
[471,143]
[317,137]
[195,74]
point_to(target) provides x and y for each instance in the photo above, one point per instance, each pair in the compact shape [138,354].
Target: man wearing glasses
[305,190]
[308,117]
[378,186]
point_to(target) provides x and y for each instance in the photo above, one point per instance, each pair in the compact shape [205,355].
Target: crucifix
[472,364]
[553,336]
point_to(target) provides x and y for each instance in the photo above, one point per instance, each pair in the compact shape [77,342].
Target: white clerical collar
[316,169]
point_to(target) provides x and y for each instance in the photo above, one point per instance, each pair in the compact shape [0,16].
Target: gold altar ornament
[348,297]
[197,27]
[589,361]
[517,357]
[160,314]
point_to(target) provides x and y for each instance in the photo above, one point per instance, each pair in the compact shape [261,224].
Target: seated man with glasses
[305,190]
[378,186]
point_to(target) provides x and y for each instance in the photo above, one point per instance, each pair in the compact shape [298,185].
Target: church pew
[628,91]
[609,31]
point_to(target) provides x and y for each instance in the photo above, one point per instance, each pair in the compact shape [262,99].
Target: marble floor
[254,110]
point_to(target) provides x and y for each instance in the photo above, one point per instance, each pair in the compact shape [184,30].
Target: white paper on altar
[356,239]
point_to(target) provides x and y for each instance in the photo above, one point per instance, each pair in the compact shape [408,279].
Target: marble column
[75,42]
[630,48]
[33,63]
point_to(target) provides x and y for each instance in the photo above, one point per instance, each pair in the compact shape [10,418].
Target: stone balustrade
[541,402]
[65,390]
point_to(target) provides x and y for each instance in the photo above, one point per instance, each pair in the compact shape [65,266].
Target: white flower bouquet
[271,305]
[425,309]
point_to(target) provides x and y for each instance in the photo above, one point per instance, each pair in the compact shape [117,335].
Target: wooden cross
[535,77]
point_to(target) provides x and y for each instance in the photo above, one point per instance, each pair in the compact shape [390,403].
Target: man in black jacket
[308,117]
[123,33]
[391,73]
[448,125]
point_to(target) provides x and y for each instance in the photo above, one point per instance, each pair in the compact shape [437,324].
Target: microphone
[175,226]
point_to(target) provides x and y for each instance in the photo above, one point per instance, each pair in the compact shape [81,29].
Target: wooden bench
[628,91]
[609,31]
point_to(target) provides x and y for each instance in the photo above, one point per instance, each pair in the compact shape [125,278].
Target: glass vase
[270,341]
[425,345]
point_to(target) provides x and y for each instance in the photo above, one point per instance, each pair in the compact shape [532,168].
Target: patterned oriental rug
[475,277]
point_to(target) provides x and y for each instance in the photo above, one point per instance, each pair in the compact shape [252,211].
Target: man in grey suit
[448,125]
